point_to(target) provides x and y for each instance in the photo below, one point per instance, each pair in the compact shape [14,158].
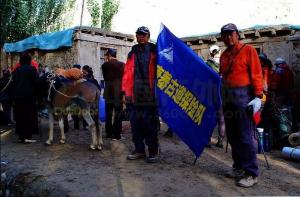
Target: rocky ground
[72,170]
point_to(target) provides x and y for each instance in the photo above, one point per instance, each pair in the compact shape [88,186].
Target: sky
[198,17]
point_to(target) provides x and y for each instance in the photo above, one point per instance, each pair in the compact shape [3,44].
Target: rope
[63,93]
[49,90]
[9,81]
[51,79]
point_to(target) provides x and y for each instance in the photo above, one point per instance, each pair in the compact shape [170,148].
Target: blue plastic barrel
[291,153]
[101,109]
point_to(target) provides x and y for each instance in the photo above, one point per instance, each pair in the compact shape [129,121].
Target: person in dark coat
[5,86]
[113,72]
[88,74]
[24,80]
[282,83]
[75,117]
[138,85]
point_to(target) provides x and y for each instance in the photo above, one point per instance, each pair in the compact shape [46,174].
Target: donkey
[62,94]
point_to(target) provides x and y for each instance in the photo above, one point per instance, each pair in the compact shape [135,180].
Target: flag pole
[195,160]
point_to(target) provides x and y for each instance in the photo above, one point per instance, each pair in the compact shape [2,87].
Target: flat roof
[252,32]
[103,32]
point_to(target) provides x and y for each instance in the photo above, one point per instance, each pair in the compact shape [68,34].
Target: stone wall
[3,62]
[64,58]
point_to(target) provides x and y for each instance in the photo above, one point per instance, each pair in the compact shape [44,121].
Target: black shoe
[10,124]
[208,145]
[153,158]
[235,173]
[21,141]
[168,134]
[219,144]
[108,136]
[119,138]
[135,155]
[85,128]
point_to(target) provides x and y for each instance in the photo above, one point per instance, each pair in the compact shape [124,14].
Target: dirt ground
[76,171]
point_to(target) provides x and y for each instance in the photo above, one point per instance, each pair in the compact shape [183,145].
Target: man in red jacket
[33,62]
[138,86]
[282,83]
[242,86]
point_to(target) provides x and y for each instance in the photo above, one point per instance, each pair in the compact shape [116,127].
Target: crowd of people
[249,81]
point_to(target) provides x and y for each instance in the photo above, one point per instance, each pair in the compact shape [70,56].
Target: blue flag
[188,91]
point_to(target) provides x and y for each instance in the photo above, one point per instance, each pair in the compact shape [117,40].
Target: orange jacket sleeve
[255,70]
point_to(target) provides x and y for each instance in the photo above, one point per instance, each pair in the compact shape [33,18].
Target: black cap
[77,66]
[111,52]
[142,30]
[229,28]
[263,56]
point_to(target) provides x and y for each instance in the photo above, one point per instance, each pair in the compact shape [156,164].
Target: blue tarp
[47,41]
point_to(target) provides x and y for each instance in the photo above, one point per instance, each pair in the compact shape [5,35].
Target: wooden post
[82,8]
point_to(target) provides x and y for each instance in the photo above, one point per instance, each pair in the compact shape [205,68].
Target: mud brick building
[88,46]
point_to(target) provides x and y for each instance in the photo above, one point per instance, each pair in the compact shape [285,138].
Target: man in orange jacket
[138,86]
[242,88]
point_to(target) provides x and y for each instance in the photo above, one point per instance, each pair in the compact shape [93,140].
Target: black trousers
[113,127]
[143,120]
[7,106]
[26,118]
[76,121]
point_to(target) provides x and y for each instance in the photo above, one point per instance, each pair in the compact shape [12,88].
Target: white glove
[256,103]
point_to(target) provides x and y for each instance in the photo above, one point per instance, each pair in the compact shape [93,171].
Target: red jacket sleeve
[128,77]
[33,63]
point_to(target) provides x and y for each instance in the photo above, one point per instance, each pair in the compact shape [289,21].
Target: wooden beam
[104,40]
[273,32]
[213,39]
[257,34]
[242,36]
[77,35]
[293,32]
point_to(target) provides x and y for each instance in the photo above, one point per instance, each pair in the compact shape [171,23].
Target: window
[102,53]
[258,49]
